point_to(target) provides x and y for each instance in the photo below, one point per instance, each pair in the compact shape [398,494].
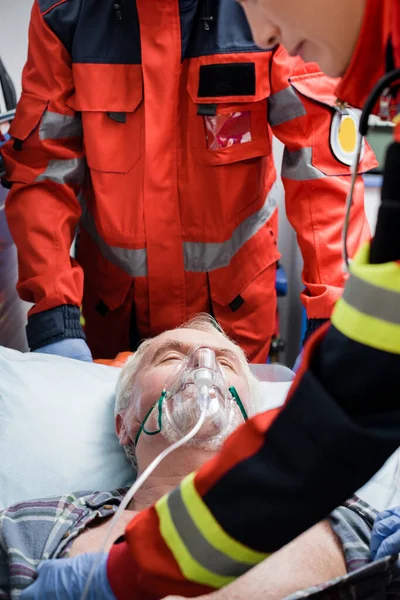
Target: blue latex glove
[70,348]
[297,364]
[65,579]
[385,537]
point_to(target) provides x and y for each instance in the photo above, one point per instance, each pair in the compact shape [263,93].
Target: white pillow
[274,384]
[383,490]
[57,430]
[57,427]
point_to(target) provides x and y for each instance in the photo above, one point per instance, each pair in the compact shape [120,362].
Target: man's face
[322,31]
[159,367]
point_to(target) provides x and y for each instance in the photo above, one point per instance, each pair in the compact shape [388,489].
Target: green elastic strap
[238,401]
[142,427]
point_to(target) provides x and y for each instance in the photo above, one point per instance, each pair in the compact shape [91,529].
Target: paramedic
[150,125]
[341,419]
[311,559]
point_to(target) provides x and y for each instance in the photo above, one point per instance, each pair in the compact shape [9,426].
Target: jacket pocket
[109,98]
[23,157]
[228,109]
[256,255]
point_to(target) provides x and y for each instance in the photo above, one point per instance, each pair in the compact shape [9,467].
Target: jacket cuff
[121,572]
[53,325]
[312,326]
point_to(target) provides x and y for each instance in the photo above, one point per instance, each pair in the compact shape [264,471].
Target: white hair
[125,389]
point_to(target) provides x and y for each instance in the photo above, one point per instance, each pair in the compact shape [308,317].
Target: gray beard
[212,434]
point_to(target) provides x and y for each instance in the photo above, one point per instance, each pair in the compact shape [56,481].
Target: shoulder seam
[45,10]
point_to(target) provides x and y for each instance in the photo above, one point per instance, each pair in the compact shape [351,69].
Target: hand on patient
[385,537]
[65,579]
[70,348]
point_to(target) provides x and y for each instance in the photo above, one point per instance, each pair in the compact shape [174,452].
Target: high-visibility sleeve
[368,312]
[46,166]
[284,470]
[304,118]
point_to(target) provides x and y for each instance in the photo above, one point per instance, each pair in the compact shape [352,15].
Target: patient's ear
[122,434]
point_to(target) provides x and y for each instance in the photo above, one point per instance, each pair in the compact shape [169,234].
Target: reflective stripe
[385,276]
[368,312]
[372,300]
[65,171]
[202,257]
[54,126]
[284,106]
[190,568]
[204,552]
[366,330]
[201,550]
[133,262]
[298,165]
[212,530]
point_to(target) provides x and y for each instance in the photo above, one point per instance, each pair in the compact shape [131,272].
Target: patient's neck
[168,476]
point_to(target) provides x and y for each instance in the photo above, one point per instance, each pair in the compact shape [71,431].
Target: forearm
[314,557]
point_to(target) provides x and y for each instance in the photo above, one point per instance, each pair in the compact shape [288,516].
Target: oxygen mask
[199,386]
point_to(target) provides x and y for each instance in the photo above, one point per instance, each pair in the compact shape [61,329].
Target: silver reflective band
[202,257]
[54,126]
[133,262]
[199,257]
[372,300]
[199,548]
[65,171]
[284,106]
[298,166]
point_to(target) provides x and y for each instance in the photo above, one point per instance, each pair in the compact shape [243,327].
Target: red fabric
[368,62]
[154,185]
[117,362]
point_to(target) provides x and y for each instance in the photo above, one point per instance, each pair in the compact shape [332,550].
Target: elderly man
[32,532]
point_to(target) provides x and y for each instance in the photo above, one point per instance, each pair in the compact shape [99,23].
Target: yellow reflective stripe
[212,530]
[386,276]
[190,568]
[365,329]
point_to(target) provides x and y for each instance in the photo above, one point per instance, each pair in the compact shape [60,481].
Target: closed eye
[226,363]
[170,357]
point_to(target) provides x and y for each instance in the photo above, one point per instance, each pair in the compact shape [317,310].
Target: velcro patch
[233,79]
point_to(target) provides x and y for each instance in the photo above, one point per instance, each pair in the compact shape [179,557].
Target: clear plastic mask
[199,384]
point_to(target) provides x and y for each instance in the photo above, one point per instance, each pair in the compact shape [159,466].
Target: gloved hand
[297,364]
[385,537]
[70,348]
[65,579]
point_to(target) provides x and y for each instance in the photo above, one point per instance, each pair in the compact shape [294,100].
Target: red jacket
[124,131]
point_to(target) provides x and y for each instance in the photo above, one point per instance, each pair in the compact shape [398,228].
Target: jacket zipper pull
[207,18]
[206,22]
[118,11]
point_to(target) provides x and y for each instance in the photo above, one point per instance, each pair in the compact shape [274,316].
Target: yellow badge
[344,134]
